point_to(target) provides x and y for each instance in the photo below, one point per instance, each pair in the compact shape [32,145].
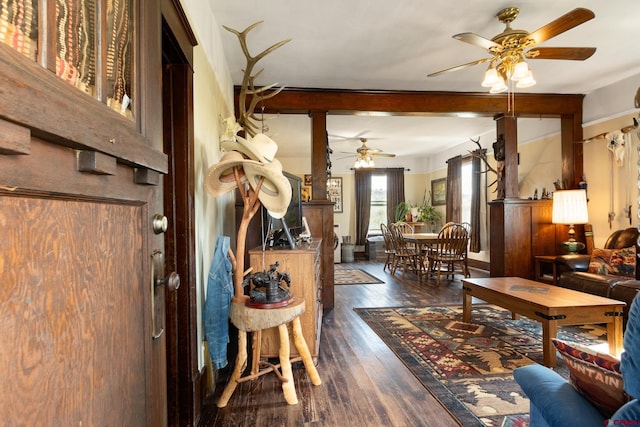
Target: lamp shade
[570,207]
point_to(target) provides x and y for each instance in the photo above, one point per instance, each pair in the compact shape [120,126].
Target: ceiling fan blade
[564,23]
[343,157]
[570,53]
[357,137]
[460,67]
[476,40]
[383,154]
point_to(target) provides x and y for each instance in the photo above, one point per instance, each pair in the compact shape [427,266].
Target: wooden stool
[248,319]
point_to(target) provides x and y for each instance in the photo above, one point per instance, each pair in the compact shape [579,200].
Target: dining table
[421,238]
[422,241]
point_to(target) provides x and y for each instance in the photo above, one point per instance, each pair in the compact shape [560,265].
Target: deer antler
[248,87]
[481,154]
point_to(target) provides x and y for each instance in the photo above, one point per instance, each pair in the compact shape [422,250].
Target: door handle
[172,282]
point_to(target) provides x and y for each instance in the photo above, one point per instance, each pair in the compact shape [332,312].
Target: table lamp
[570,207]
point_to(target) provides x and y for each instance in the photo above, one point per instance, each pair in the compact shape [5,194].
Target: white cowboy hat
[260,147]
[275,192]
[220,177]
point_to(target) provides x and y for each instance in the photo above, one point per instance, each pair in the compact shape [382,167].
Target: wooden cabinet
[520,231]
[319,215]
[304,266]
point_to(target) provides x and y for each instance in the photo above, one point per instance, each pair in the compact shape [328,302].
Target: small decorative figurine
[266,290]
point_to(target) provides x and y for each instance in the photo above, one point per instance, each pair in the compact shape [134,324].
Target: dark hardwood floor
[363,382]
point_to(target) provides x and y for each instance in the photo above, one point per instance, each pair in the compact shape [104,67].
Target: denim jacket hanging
[218,301]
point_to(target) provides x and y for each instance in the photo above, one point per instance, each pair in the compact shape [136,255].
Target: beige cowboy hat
[220,177]
[260,147]
[275,192]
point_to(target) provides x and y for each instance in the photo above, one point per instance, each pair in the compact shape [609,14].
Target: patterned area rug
[352,276]
[468,366]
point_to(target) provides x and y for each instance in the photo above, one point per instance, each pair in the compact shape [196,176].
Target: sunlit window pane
[378,214]
[467,189]
[119,61]
[76,44]
[19,26]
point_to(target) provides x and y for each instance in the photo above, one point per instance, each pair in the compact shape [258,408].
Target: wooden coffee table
[550,305]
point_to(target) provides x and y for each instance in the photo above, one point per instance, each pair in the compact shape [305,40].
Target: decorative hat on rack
[248,163]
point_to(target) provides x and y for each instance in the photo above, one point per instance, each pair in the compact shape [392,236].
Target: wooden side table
[545,269]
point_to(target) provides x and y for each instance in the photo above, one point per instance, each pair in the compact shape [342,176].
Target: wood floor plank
[363,382]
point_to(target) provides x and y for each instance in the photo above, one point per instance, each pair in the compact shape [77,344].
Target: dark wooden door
[81,315]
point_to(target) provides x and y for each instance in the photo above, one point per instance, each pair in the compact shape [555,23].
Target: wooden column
[319,212]
[319,155]
[507,128]
[572,160]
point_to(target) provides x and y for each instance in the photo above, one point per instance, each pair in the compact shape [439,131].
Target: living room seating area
[609,272]
[587,402]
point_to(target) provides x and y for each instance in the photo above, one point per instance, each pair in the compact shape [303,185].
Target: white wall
[212,101]
[611,188]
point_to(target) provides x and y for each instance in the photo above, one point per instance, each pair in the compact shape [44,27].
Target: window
[467,189]
[378,214]
[101,65]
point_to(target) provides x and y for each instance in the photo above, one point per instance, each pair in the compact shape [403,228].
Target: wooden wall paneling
[517,245]
[520,231]
[496,239]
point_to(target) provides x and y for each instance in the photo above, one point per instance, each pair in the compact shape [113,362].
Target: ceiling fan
[365,154]
[509,49]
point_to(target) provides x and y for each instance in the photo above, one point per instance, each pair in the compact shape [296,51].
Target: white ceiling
[381,45]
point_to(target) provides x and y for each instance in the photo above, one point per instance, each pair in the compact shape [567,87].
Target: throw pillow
[617,262]
[623,262]
[596,376]
[599,261]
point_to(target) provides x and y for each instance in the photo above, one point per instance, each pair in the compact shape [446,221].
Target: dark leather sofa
[572,272]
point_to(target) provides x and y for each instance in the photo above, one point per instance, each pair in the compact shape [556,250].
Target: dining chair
[388,247]
[405,257]
[466,249]
[448,252]
[405,227]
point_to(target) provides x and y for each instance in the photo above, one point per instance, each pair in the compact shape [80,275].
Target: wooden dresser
[304,266]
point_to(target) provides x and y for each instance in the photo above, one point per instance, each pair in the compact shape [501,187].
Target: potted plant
[429,214]
[402,210]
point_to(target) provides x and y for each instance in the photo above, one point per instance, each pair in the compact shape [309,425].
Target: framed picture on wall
[334,193]
[439,191]
[308,179]
[306,193]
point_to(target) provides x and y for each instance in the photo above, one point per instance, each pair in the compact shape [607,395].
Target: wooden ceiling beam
[334,101]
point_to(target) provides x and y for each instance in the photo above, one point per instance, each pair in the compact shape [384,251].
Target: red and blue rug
[468,366]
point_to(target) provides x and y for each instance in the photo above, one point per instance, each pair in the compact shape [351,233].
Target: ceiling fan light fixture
[499,86]
[526,81]
[520,71]
[364,162]
[491,77]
